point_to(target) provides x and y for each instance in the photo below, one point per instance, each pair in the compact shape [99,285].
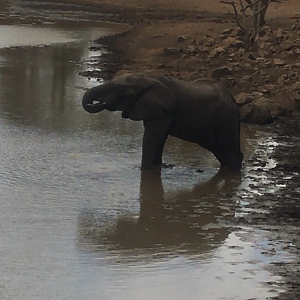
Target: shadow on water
[185,221]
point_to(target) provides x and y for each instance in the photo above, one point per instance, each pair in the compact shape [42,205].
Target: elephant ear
[152,102]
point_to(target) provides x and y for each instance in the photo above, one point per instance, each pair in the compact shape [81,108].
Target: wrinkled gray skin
[202,112]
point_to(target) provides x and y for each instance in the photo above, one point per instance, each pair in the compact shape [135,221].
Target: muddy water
[78,218]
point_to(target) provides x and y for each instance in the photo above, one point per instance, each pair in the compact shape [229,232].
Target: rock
[266,92]
[232,31]
[262,53]
[261,116]
[252,56]
[254,114]
[192,49]
[245,112]
[220,72]
[267,64]
[243,98]
[279,33]
[204,51]
[261,60]
[238,32]
[295,27]
[247,78]
[282,80]
[296,86]
[267,104]
[171,50]
[278,62]
[216,52]
[289,45]
[233,42]
[265,30]
[276,49]
[182,38]
[228,30]
[265,45]
[210,43]
[296,51]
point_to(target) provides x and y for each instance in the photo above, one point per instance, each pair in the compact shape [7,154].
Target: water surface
[79,220]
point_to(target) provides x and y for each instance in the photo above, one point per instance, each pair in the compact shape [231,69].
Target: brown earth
[190,40]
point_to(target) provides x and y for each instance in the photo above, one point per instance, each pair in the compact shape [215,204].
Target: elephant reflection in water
[178,223]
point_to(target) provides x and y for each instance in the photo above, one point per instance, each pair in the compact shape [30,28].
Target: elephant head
[138,96]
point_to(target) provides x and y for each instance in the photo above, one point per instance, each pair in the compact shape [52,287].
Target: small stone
[171,50]
[220,72]
[289,45]
[279,33]
[281,80]
[243,98]
[278,62]
[233,42]
[228,30]
[245,112]
[266,92]
[294,27]
[217,51]
[248,78]
[181,38]
[296,50]
[191,49]
[296,86]
[267,64]
[254,114]
[265,45]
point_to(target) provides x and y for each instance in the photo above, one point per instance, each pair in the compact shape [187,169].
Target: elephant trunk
[88,102]
[101,97]
[93,108]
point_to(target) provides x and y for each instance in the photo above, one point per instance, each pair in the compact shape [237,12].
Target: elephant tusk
[102,104]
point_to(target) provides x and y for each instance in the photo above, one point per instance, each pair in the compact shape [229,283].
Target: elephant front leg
[155,136]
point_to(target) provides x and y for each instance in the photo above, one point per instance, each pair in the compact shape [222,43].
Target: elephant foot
[158,167]
[167,166]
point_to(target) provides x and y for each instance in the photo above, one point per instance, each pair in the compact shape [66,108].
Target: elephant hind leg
[226,147]
[230,159]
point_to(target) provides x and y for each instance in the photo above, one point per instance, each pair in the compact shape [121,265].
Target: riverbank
[189,41]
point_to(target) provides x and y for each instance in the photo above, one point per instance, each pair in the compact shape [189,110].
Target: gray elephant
[202,112]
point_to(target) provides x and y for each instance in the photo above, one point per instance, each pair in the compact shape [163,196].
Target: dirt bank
[190,40]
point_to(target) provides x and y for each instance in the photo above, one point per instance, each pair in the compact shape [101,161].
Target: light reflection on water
[78,218]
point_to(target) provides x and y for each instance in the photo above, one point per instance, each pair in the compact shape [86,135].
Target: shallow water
[78,218]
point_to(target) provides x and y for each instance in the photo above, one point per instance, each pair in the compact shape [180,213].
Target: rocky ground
[190,40]
[265,82]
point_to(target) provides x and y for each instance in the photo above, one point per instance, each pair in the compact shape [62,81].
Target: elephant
[202,112]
